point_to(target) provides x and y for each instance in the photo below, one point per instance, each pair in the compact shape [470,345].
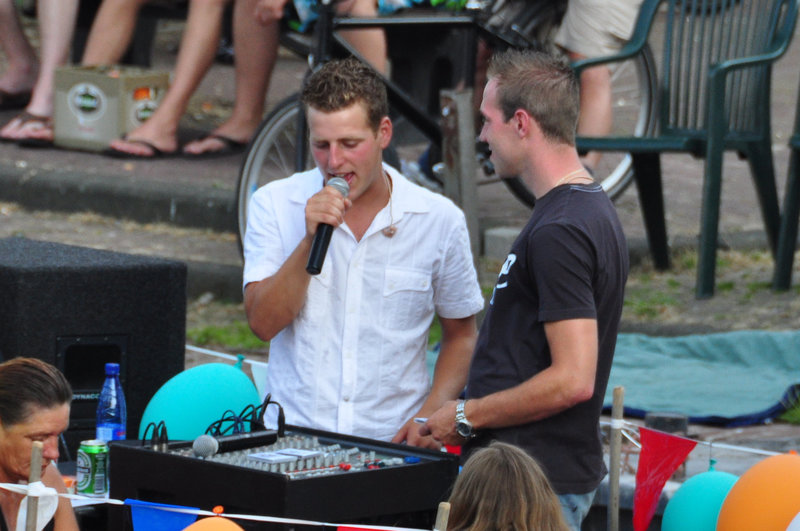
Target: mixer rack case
[394,495]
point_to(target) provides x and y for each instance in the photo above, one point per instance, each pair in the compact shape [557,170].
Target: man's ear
[525,123]
[385,132]
[522,121]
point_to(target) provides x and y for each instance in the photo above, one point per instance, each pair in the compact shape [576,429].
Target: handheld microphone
[322,238]
[206,445]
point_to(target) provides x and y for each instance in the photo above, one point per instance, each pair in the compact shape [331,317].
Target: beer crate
[97,104]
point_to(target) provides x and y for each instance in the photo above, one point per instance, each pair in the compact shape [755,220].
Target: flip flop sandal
[155,152]
[27,120]
[230,146]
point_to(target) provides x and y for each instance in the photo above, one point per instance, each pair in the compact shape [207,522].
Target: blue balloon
[192,400]
[695,506]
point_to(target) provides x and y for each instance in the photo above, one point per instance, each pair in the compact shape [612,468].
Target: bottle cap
[112,369]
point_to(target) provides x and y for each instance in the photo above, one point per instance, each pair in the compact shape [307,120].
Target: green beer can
[92,468]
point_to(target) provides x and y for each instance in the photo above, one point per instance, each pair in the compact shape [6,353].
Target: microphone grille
[205,446]
[340,185]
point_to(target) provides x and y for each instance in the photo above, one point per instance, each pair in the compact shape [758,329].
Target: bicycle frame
[326,40]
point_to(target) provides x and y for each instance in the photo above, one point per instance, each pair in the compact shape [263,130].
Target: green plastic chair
[713,95]
[787,240]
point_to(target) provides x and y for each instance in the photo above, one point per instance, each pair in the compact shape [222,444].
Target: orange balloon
[215,523]
[764,498]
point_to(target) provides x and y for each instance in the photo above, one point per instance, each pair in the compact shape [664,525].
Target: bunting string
[23,489]
[629,429]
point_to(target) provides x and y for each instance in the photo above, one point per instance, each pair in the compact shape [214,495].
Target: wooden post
[458,155]
[615,447]
[34,476]
[442,515]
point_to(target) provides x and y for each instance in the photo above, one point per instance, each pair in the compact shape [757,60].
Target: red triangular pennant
[660,456]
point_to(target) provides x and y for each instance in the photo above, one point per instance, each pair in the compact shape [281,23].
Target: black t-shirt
[569,262]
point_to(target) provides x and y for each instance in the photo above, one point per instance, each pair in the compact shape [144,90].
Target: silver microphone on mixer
[205,445]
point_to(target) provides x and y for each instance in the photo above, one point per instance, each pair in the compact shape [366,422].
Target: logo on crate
[142,110]
[87,101]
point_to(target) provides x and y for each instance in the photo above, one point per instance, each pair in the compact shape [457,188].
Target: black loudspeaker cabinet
[79,308]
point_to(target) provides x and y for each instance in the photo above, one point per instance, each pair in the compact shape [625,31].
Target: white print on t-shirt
[503,272]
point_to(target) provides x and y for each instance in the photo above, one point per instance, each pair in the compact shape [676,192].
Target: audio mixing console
[306,474]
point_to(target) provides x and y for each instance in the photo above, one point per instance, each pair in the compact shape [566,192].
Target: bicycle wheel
[271,155]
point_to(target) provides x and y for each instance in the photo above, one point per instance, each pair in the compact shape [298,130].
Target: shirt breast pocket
[318,298]
[407,297]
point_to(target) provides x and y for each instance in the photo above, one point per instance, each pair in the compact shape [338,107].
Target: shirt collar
[406,196]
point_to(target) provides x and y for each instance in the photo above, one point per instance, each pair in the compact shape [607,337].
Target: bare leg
[198,47]
[371,43]
[112,31]
[23,65]
[56,26]
[256,50]
[596,117]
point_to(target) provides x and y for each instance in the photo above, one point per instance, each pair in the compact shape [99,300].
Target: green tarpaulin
[727,378]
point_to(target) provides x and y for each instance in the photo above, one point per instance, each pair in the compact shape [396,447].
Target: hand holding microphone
[322,238]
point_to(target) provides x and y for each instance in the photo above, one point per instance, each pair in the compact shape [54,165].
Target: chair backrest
[703,35]
[794,141]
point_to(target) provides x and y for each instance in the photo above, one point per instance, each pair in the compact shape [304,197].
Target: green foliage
[792,413]
[725,286]
[723,262]
[686,260]
[648,303]
[435,334]
[753,287]
[792,416]
[236,335]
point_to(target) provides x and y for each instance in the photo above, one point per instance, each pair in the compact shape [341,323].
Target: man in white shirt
[348,346]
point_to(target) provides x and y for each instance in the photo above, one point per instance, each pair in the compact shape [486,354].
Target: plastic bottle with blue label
[111,412]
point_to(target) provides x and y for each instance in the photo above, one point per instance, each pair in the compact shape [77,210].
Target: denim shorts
[575,508]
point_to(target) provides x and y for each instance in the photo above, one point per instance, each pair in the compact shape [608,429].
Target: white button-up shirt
[353,361]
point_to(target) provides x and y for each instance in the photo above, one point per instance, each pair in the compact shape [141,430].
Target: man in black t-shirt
[541,364]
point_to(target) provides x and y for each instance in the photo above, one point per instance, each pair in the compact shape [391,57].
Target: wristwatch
[463,426]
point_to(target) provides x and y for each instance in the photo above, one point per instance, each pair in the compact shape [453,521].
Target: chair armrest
[783,38]
[717,75]
[641,30]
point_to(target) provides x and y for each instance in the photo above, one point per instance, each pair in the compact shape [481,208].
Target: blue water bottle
[111,412]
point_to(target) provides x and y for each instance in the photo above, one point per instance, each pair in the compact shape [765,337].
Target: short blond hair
[541,84]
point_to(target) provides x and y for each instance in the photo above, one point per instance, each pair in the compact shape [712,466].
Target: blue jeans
[575,508]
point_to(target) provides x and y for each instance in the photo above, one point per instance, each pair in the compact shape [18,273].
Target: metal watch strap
[463,426]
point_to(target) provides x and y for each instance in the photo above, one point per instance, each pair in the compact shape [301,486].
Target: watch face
[463,429]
